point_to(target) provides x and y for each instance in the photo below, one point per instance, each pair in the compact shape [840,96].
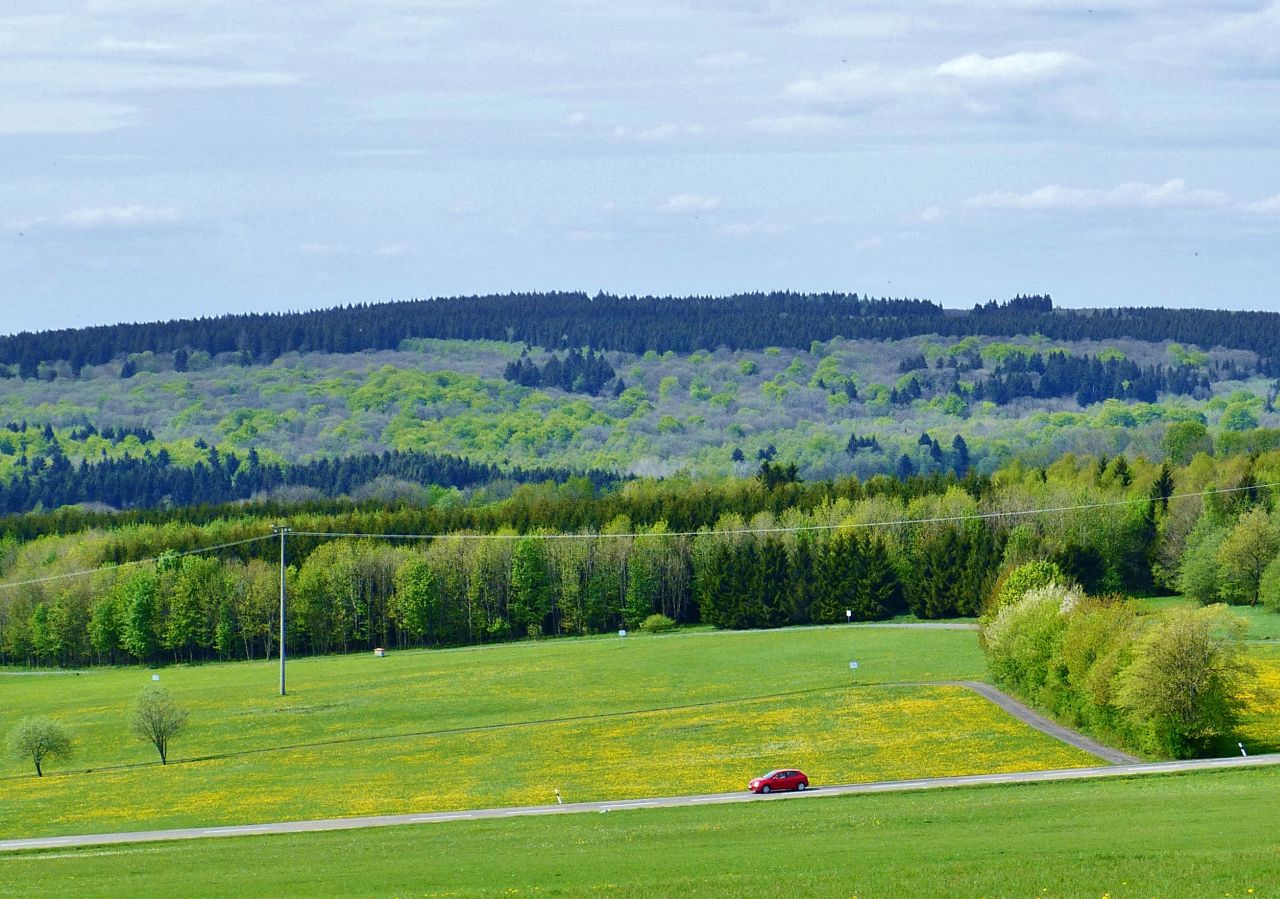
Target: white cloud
[1269,206]
[119,217]
[1242,43]
[392,250]
[1173,193]
[865,84]
[691,203]
[575,118]
[966,83]
[931,214]
[1016,68]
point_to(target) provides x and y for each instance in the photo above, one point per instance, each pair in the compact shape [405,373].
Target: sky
[162,159]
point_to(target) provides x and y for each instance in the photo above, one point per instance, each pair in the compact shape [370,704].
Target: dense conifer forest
[634,325]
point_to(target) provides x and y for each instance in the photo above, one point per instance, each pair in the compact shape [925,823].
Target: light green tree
[139,605]
[1200,574]
[531,595]
[1269,587]
[1183,439]
[38,739]
[1244,555]
[416,599]
[1184,688]
[158,718]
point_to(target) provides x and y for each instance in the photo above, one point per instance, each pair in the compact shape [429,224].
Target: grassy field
[1262,623]
[507,725]
[1205,834]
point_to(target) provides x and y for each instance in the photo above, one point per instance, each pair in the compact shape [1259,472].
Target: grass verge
[1202,834]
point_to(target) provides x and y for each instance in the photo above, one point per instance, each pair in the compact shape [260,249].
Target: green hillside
[676,411]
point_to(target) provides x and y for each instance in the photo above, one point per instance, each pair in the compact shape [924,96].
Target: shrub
[1185,687]
[1024,641]
[657,624]
[1014,584]
[1096,646]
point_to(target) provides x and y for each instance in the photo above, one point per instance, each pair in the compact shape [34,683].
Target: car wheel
[801,785]
[764,789]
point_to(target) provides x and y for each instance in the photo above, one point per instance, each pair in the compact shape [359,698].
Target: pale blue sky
[164,159]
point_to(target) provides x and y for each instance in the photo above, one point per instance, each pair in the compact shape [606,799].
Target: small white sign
[622,633]
[853,665]
[155,677]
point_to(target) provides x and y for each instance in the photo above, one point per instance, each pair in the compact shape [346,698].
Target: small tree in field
[38,739]
[157,718]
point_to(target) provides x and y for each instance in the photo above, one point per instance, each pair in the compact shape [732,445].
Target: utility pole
[281,531]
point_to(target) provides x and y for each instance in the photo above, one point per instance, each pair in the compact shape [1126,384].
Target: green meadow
[595,718]
[1203,834]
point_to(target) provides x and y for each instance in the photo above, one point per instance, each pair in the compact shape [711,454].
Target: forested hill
[632,324]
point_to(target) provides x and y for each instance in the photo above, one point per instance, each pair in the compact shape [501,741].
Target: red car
[782,779]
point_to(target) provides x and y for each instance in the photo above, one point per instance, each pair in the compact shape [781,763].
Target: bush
[1024,641]
[1096,646]
[657,624]
[1014,584]
[1171,683]
[1184,689]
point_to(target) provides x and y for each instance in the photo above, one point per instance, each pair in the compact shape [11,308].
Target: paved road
[1045,725]
[928,783]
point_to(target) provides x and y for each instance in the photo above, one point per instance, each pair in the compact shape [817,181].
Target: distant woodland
[634,325]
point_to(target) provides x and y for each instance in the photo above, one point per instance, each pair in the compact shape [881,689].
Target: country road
[1030,716]
[928,783]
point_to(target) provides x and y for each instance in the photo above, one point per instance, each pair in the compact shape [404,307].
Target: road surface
[927,783]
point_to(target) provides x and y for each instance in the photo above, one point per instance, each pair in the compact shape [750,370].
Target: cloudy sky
[163,159]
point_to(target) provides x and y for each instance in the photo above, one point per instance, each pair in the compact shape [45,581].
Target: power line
[638,535]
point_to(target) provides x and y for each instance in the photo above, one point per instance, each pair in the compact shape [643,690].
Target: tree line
[353,594]
[630,324]
[51,480]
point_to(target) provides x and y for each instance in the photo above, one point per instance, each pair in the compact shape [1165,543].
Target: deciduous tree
[158,718]
[38,739]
